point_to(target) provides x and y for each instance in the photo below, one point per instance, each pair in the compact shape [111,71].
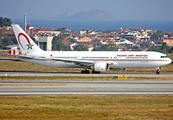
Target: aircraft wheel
[85,71]
[158,71]
[95,72]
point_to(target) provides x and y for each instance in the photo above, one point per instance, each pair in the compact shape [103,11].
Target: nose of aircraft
[170,60]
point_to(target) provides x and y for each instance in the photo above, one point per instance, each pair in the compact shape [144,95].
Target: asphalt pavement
[88,87]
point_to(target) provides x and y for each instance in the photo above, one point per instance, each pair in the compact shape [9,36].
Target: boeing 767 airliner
[97,61]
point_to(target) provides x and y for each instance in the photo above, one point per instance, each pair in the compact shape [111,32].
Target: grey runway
[89,87]
[35,73]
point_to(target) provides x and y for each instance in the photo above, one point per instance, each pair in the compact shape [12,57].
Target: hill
[92,15]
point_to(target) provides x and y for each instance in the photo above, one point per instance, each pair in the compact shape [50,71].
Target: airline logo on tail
[27,39]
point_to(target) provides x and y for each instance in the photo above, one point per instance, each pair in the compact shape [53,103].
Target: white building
[45,42]
[48,31]
[135,35]
[82,32]
[129,36]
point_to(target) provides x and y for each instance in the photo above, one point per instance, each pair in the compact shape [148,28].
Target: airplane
[97,61]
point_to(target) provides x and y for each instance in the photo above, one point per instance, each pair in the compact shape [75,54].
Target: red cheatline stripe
[106,60]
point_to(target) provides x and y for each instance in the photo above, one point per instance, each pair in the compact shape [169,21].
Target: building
[47,30]
[128,36]
[66,42]
[11,47]
[84,40]
[169,42]
[135,35]
[45,42]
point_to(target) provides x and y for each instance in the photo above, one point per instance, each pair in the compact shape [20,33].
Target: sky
[121,9]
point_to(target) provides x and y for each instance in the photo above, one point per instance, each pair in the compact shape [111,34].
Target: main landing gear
[158,70]
[95,72]
[85,72]
[88,72]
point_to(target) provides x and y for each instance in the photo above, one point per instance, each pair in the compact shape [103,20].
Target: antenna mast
[25,21]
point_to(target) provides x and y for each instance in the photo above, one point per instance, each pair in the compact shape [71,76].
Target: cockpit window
[164,56]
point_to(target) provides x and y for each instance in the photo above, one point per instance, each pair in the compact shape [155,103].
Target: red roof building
[66,42]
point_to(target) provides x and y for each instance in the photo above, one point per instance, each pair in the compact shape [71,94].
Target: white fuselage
[127,59]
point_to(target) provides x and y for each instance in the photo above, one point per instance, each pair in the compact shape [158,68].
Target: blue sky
[121,9]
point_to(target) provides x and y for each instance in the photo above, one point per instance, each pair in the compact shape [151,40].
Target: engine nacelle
[101,66]
[119,69]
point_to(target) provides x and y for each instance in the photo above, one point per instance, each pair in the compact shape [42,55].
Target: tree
[152,49]
[2,33]
[7,41]
[57,42]
[5,22]
[83,30]
[67,48]
[1,21]
[108,31]
[1,45]
[110,46]
[164,48]
[100,31]
[158,35]
[171,50]
[79,47]
[60,29]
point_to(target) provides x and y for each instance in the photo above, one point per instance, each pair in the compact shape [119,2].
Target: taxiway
[89,87]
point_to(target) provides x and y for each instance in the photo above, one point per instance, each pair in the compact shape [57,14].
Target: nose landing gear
[158,70]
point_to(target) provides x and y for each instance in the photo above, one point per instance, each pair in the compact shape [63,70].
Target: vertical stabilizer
[26,44]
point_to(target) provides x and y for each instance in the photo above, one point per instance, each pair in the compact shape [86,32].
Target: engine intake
[101,66]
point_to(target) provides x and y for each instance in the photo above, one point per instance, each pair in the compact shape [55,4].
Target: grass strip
[77,107]
[81,78]
[33,84]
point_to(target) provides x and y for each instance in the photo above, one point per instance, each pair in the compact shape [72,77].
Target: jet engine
[101,66]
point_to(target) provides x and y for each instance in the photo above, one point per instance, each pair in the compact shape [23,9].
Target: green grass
[86,107]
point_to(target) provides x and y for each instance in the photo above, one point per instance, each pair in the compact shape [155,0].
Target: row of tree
[6,40]
[164,49]
[58,45]
[5,22]
[158,35]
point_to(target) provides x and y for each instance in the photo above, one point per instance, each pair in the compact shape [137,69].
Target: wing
[87,63]
[77,62]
